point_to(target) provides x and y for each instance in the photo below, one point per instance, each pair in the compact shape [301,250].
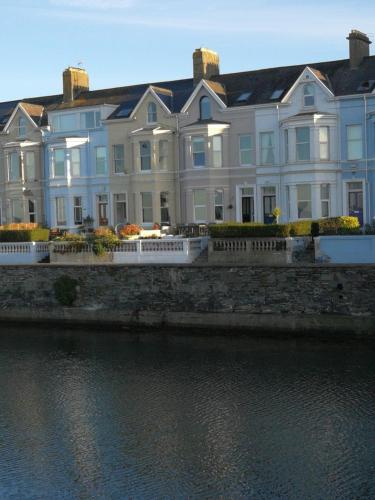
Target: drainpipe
[178,214]
[368,190]
[280,140]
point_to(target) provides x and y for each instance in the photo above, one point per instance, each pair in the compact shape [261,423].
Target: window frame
[218,205]
[245,150]
[143,157]
[308,95]
[163,154]
[205,108]
[77,209]
[325,200]
[55,175]
[350,157]
[118,160]
[199,206]
[144,207]
[303,200]
[164,206]
[267,149]
[301,143]
[217,154]
[324,143]
[75,162]
[104,159]
[117,201]
[22,127]
[195,154]
[60,210]
[27,155]
[11,167]
[152,113]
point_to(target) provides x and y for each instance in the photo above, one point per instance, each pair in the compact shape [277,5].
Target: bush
[249,230]
[300,228]
[23,235]
[130,230]
[65,289]
[339,225]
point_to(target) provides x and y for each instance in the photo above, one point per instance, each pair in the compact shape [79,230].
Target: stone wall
[286,298]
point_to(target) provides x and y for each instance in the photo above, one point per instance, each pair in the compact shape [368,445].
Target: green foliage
[339,225]
[65,289]
[23,235]
[248,230]
[370,228]
[300,228]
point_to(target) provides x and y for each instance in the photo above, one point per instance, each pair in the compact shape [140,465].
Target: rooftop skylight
[243,97]
[277,94]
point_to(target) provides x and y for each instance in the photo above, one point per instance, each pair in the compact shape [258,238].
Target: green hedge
[22,235]
[331,225]
[249,230]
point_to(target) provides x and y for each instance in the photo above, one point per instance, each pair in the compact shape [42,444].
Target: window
[219,205]
[22,126]
[324,199]
[302,143]
[30,165]
[163,155]
[75,162]
[77,208]
[200,205]
[288,210]
[17,210]
[59,163]
[199,155]
[244,97]
[101,160]
[205,108]
[324,143]
[217,154]
[246,149]
[90,120]
[308,95]
[276,94]
[102,200]
[60,212]
[152,115]
[147,213]
[286,145]
[119,158]
[64,123]
[14,167]
[304,201]
[354,141]
[31,210]
[145,153]
[120,208]
[164,207]
[267,155]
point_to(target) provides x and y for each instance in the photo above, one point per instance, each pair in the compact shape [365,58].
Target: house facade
[207,149]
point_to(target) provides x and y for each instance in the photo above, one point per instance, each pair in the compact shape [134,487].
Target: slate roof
[259,84]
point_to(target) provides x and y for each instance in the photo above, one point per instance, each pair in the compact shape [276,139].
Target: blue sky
[121,42]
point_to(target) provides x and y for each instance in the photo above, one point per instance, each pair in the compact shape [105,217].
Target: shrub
[130,230]
[314,228]
[248,230]
[339,225]
[22,235]
[300,228]
[65,289]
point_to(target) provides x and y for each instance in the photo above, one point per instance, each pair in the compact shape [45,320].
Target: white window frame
[97,148]
[117,201]
[324,201]
[245,150]
[145,208]
[60,209]
[217,151]
[152,113]
[22,205]
[267,149]
[350,156]
[300,143]
[199,206]
[302,200]
[308,96]
[198,139]
[216,204]
[163,154]
[14,154]
[22,129]
[54,163]
[144,156]
[324,144]
[74,163]
[118,160]
[31,213]
[164,207]
[29,154]
[77,208]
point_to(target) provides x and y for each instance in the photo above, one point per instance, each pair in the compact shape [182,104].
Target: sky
[123,42]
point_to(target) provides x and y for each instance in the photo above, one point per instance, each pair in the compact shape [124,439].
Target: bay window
[147,212]
[302,143]
[75,162]
[304,201]
[200,205]
[323,143]
[217,153]
[14,167]
[30,165]
[199,154]
[59,163]
[145,154]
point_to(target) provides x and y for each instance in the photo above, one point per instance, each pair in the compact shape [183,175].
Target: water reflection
[113,416]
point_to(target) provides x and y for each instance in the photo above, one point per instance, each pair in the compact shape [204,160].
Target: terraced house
[210,148]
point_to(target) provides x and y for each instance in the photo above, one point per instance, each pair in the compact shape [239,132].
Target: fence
[23,253]
[165,251]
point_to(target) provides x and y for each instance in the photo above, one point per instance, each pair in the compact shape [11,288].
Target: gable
[310,82]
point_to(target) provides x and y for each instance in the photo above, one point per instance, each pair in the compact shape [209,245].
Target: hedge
[22,235]
[331,225]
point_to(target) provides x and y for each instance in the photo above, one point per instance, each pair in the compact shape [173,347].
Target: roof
[235,89]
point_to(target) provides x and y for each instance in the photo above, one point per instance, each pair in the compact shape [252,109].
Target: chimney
[74,80]
[206,64]
[359,47]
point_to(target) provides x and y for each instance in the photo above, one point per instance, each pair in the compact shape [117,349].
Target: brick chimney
[359,47]
[206,64]
[74,80]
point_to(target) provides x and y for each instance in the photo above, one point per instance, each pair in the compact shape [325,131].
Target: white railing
[165,251]
[23,253]
[254,250]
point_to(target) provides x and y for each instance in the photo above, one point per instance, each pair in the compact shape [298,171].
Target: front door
[247,209]
[269,204]
[355,200]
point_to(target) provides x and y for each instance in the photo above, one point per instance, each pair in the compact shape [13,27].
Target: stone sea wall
[299,299]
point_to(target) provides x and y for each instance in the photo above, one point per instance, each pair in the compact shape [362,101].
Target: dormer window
[152,116]
[205,108]
[22,126]
[308,95]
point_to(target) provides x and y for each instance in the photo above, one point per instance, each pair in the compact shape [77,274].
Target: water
[109,416]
